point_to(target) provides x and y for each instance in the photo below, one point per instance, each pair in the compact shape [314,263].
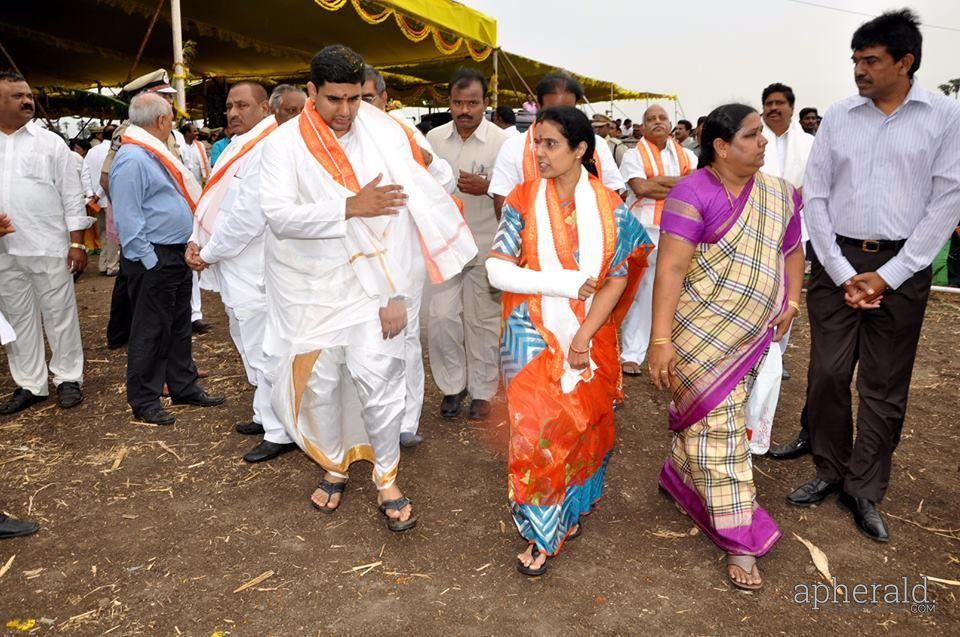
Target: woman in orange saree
[566,252]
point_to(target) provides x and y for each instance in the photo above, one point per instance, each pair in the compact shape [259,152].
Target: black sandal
[331,489]
[574,536]
[395,524]
[534,572]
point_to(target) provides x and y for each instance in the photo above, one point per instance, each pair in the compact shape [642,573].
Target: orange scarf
[645,149]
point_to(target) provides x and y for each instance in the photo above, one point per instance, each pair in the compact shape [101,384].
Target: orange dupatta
[644,149]
[174,173]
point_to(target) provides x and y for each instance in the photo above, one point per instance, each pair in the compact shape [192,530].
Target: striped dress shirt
[892,177]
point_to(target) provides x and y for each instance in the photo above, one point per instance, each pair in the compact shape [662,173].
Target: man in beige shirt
[464,351]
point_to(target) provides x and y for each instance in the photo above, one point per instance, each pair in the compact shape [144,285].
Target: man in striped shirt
[881,194]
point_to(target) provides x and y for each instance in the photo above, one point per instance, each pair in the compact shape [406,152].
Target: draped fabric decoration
[446,42]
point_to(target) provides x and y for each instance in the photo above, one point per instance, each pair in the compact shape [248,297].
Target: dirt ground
[152,531]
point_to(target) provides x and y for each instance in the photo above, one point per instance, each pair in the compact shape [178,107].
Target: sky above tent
[712,52]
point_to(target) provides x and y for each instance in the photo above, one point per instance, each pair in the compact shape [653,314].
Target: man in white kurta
[338,275]
[41,195]
[787,150]
[650,169]
[374,92]
[556,89]
[227,245]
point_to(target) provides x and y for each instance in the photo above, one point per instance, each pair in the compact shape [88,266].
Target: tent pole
[611,99]
[143,43]
[179,71]
[496,78]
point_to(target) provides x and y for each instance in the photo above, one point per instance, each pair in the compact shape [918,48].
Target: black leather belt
[872,245]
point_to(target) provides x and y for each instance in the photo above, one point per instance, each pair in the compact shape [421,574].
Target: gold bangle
[575,350]
[661,341]
[794,305]
[79,246]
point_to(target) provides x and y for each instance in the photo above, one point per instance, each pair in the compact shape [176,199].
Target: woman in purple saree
[727,286]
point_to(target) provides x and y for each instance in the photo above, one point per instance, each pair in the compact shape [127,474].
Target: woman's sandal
[331,489]
[533,572]
[576,533]
[747,564]
[395,524]
[631,369]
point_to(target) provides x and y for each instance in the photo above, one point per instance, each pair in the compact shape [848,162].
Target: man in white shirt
[41,195]
[505,118]
[344,197]
[788,148]
[109,261]
[374,92]
[194,154]
[464,330]
[651,170]
[286,102]
[555,89]
[227,245]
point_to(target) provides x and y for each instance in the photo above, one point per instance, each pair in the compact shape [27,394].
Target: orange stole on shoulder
[559,439]
[644,149]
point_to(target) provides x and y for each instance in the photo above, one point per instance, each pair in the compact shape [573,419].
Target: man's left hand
[77,260]
[871,285]
[472,184]
[192,257]
[393,318]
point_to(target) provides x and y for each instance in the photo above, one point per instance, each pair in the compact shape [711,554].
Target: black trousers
[160,333]
[121,310]
[953,260]
[884,343]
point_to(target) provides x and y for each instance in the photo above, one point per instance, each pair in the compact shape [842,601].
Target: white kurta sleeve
[439,167]
[278,199]
[612,178]
[67,176]
[632,166]
[508,168]
[240,224]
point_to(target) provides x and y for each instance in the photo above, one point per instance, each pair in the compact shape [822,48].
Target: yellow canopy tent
[84,43]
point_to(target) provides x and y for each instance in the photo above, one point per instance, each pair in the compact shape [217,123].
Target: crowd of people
[561,257]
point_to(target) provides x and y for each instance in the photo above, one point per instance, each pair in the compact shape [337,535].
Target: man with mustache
[465,350]
[787,150]
[650,169]
[227,244]
[882,191]
[809,120]
[41,196]
[286,102]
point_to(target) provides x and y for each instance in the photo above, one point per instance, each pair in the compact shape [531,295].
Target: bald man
[650,169]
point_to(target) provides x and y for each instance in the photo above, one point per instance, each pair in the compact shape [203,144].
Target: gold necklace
[723,185]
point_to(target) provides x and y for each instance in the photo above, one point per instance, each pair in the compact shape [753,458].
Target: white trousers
[196,313]
[247,329]
[635,331]
[331,425]
[413,370]
[463,334]
[37,296]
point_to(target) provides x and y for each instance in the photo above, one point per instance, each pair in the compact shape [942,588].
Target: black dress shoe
[813,492]
[790,450]
[868,519]
[69,395]
[267,450]
[156,416]
[479,409]
[16,528]
[199,327]
[785,375]
[450,405]
[249,428]
[200,399]
[21,399]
